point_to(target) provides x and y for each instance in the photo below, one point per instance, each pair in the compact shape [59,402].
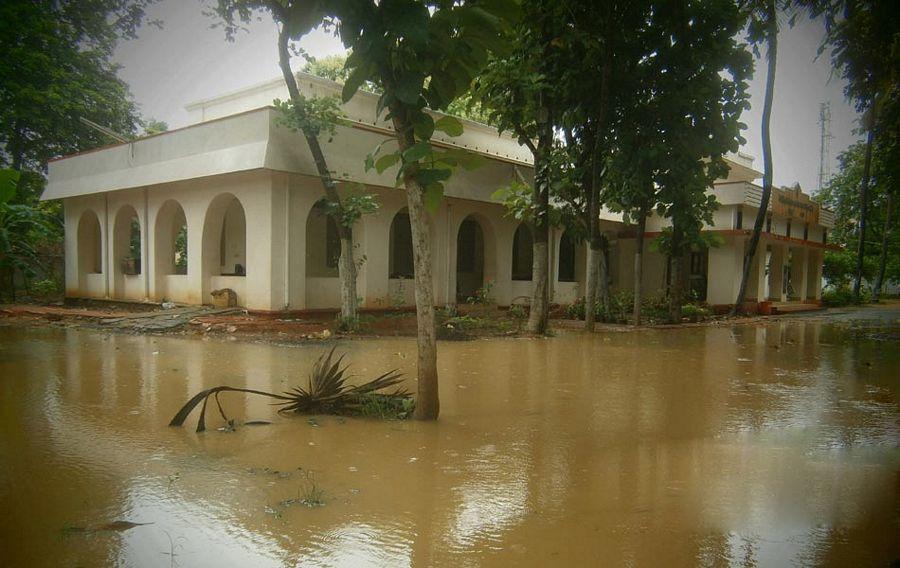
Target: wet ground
[767,444]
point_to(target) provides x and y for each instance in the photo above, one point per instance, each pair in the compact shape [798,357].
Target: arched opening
[224,254]
[90,253]
[323,243]
[171,252]
[400,256]
[522,253]
[127,249]
[469,259]
[567,257]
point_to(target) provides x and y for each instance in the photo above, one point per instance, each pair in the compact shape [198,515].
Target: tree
[882,255]
[420,53]
[863,38]
[312,117]
[763,28]
[56,69]
[519,92]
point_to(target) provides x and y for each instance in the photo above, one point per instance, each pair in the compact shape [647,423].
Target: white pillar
[776,273]
[800,271]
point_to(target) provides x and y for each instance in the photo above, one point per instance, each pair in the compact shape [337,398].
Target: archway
[90,252]
[127,254]
[171,252]
[522,253]
[224,249]
[469,259]
[323,244]
[400,256]
[567,259]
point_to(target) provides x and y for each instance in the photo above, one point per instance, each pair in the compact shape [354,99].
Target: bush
[45,288]
[517,311]
[695,312]
[835,296]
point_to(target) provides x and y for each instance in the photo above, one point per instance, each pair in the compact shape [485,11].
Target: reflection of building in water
[233,201]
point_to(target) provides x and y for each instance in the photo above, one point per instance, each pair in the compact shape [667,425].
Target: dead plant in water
[327,393]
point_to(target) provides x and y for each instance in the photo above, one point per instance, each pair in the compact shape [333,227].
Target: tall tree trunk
[346,264]
[604,277]
[675,290]
[427,402]
[772,55]
[863,209]
[540,298]
[885,239]
[595,256]
[639,263]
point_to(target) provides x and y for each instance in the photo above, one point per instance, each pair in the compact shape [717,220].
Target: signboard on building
[794,204]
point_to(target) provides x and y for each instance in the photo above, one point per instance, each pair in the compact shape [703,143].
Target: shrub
[45,288]
[837,296]
[517,311]
[695,312]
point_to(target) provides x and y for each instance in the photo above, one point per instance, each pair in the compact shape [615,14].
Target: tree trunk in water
[604,279]
[863,211]
[639,265]
[594,274]
[427,402]
[346,264]
[675,291]
[885,238]
[772,55]
[540,298]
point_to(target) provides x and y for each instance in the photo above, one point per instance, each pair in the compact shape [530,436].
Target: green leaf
[386,161]
[449,125]
[354,82]
[428,176]
[423,125]
[409,87]
[433,194]
[9,179]
[416,152]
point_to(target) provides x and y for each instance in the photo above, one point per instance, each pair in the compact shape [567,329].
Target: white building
[242,192]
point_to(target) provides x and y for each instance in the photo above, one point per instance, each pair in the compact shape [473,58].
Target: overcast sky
[187,61]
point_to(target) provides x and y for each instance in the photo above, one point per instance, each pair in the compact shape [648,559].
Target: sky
[188,60]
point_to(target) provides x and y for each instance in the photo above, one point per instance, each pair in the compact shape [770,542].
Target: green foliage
[695,312]
[26,229]
[482,295]
[836,296]
[517,311]
[45,289]
[311,116]
[56,67]
[841,195]
[420,54]
[153,126]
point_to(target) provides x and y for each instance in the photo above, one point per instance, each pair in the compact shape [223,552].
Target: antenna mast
[824,145]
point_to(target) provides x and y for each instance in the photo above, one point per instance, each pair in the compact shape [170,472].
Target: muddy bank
[471,322]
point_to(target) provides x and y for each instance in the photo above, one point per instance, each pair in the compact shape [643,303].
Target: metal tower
[824,144]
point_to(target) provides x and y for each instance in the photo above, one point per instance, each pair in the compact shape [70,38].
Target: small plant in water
[326,393]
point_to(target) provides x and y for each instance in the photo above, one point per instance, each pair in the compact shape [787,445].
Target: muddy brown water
[773,444]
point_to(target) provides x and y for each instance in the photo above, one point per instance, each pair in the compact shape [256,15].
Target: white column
[776,273]
[800,271]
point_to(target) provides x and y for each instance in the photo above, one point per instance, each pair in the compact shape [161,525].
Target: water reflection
[751,445]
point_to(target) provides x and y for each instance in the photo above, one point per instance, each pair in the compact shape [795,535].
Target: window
[739,218]
[788,231]
[566,259]
[522,254]
[806,232]
[696,263]
[824,236]
[769,224]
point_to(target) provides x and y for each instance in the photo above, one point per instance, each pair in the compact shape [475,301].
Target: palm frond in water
[326,393]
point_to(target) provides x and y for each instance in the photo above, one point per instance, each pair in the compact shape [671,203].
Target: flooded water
[771,445]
